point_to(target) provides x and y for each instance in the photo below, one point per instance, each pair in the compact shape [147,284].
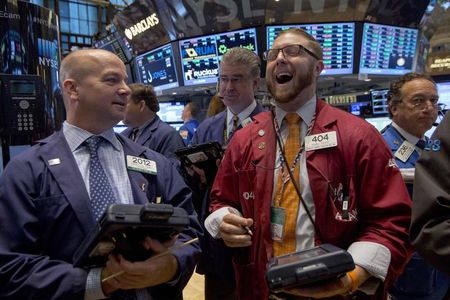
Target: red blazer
[361,161]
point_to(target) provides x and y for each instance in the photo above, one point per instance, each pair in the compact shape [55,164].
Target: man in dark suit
[145,127]
[238,80]
[49,201]
[430,226]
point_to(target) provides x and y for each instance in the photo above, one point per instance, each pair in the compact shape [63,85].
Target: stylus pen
[249,231]
[155,257]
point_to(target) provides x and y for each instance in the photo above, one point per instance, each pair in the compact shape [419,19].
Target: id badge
[277,220]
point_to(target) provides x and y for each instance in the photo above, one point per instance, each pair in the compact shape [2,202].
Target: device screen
[300,256]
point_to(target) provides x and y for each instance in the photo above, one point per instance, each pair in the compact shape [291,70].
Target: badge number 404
[320,141]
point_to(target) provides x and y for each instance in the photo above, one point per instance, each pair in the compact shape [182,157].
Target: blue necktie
[100,189]
[102,195]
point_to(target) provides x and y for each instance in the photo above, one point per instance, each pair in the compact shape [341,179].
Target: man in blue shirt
[48,205]
[189,116]
[413,108]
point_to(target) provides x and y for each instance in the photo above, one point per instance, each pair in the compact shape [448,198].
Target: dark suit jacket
[158,136]
[45,214]
[430,227]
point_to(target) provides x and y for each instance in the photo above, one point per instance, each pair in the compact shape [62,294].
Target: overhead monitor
[170,112]
[200,56]
[379,102]
[112,44]
[337,41]
[355,108]
[380,122]
[444,93]
[157,67]
[387,50]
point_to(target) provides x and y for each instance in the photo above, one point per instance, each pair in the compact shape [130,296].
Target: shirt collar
[306,112]
[75,136]
[412,139]
[243,114]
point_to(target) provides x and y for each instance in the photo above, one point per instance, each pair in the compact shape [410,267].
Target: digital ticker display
[337,41]
[157,67]
[387,50]
[112,44]
[200,56]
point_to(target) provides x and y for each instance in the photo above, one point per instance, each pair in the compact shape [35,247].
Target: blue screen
[387,50]
[157,67]
[355,108]
[379,123]
[337,41]
[444,93]
[200,56]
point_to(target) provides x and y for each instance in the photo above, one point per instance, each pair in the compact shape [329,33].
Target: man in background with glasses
[413,108]
[335,170]
[238,80]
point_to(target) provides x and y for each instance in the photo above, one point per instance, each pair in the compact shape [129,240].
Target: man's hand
[233,232]
[143,274]
[340,286]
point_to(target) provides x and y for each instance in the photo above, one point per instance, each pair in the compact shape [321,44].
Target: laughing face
[290,78]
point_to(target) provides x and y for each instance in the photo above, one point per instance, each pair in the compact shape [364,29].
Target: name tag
[320,141]
[140,164]
[404,151]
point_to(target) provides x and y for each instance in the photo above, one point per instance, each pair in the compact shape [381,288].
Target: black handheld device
[203,156]
[122,229]
[308,267]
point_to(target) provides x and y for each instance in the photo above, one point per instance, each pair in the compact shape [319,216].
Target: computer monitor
[337,41]
[157,67]
[356,108]
[380,122]
[112,44]
[444,93]
[387,50]
[200,56]
[379,102]
[170,112]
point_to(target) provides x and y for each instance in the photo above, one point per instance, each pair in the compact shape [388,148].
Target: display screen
[355,108]
[157,67]
[200,56]
[21,87]
[110,43]
[444,93]
[120,127]
[379,123]
[337,41]
[379,102]
[387,50]
[171,111]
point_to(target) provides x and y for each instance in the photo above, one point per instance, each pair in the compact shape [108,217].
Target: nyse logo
[142,26]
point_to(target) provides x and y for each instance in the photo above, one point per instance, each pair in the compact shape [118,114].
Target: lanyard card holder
[122,229]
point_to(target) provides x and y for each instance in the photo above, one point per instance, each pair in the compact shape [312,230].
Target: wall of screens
[200,56]
[337,40]
[387,50]
[158,68]
[379,102]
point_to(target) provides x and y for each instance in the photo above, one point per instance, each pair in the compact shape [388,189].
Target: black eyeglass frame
[300,47]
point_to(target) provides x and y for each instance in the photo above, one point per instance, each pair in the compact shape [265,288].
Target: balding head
[78,64]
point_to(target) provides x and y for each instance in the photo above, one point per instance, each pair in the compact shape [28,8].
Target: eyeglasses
[288,51]
[421,103]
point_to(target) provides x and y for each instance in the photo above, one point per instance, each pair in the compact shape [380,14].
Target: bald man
[46,199]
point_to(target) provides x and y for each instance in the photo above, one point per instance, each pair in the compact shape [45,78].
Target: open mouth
[283,77]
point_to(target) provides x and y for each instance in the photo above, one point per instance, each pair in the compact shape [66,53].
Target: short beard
[286,95]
